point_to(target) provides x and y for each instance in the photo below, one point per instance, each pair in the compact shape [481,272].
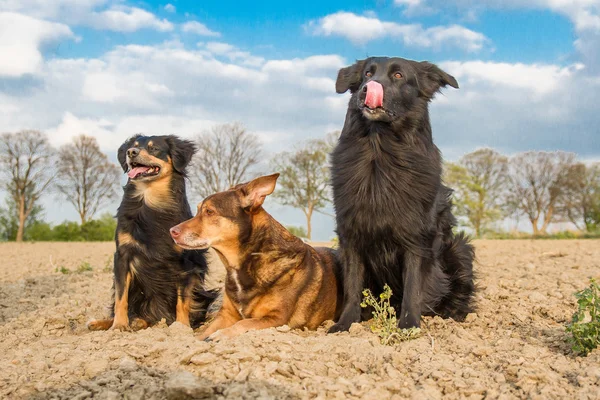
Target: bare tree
[479,180]
[86,177]
[26,159]
[304,180]
[581,201]
[538,184]
[225,156]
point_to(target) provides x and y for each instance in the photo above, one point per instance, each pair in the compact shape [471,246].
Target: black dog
[393,214]
[154,278]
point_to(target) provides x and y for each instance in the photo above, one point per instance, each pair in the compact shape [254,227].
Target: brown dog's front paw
[218,336]
[138,324]
[99,324]
[120,326]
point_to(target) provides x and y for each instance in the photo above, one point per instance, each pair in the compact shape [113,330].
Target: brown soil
[514,347]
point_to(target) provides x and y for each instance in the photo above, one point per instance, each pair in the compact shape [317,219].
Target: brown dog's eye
[398,75]
[208,212]
[368,74]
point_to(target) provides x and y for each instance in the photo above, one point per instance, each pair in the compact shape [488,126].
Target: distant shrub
[550,236]
[585,324]
[297,231]
[39,232]
[68,231]
[98,230]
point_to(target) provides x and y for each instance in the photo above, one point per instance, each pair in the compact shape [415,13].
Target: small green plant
[384,323]
[585,325]
[84,267]
[335,242]
[108,265]
[63,270]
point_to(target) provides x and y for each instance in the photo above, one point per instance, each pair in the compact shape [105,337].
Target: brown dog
[273,277]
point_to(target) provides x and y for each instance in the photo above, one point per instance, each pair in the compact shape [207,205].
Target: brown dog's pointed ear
[350,77]
[432,78]
[257,190]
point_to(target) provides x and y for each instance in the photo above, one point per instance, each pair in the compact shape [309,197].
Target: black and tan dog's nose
[133,152]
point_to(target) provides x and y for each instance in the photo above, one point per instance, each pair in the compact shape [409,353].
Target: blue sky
[528,70]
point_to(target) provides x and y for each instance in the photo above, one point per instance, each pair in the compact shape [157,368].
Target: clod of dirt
[185,385]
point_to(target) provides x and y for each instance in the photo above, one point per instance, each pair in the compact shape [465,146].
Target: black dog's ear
[122,152]
[181,151]
[350,77]
[432,78]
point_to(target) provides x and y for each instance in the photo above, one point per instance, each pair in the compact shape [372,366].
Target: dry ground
[514,347]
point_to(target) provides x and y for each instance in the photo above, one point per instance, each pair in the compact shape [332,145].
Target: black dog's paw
[340,326]
[408,323]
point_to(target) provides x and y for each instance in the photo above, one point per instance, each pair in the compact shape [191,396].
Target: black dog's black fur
[159,268]
[393,213]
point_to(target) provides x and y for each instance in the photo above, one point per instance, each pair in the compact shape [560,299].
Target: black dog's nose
[133,152]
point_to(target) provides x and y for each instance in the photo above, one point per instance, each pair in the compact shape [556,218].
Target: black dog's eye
[368,74]
[398,75]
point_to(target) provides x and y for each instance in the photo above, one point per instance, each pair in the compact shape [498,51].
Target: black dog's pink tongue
[374,97]
[137,171]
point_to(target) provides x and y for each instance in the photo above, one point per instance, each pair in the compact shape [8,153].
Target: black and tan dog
[273,277]
[153,277]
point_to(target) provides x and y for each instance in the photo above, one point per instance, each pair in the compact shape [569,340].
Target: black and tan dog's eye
[398,75]
[368,74]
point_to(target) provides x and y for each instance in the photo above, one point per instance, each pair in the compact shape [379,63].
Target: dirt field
[514,347]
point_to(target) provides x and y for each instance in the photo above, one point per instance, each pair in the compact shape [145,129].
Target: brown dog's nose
[133,152]
[175,232]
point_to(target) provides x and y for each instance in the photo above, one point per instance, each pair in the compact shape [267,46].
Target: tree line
[80,174]
[545,187]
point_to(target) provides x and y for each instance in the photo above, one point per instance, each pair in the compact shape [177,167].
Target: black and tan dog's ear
[432,78]
[256,191]
[122,152]
[350,77]
[181,151]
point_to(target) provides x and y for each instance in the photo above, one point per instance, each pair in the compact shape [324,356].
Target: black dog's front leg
[410,313]
[353,277]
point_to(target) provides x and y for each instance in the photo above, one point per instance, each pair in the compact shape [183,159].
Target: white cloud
[233,53]
[170,8]
[127,19]
[100,95]
[63,10]
[98,14]
[198,29]
[534,78]
[362,29]
[585,14]
[21,40]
